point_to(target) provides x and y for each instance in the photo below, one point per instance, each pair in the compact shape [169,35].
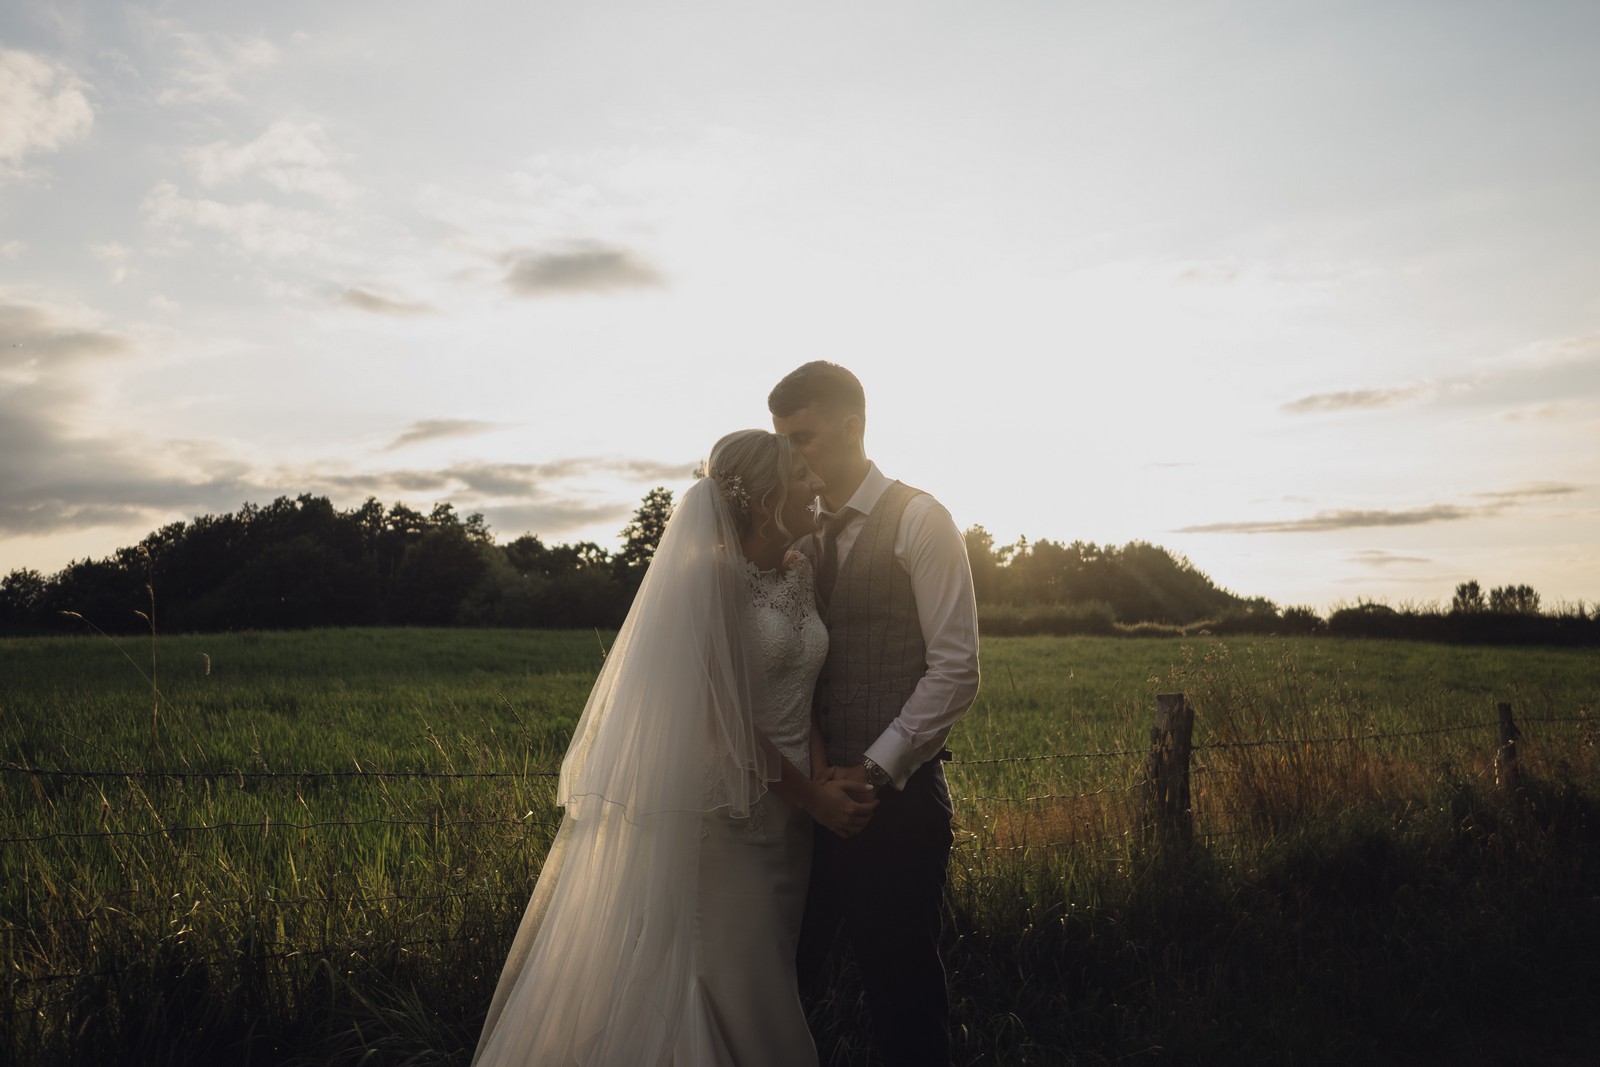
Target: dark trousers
[881,893]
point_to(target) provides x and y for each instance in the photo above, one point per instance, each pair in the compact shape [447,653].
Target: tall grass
[1357,889]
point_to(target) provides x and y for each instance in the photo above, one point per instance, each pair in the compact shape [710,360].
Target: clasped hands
[844,799]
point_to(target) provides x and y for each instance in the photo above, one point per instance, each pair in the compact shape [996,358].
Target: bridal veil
[601,966]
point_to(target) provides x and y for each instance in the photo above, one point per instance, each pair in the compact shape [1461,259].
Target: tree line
[300,562]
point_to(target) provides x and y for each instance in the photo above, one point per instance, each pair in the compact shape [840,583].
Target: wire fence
[268,824]
[232,774]
[225,775]
[530,825]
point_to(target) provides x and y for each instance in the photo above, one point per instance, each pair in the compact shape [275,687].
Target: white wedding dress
[663,927]
[745,1008]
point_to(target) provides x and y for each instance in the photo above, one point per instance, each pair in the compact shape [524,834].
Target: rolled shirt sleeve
[934,553]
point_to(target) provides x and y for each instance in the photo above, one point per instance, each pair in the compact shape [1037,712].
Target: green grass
[1374,898]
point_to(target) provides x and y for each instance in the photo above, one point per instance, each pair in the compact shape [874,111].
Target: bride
[663,926]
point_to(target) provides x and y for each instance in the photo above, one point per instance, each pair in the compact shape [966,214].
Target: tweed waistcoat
[876,654]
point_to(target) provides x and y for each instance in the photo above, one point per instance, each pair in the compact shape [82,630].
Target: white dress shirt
[933,552]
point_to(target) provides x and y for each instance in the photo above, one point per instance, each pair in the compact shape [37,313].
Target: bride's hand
[825,773]
[843,807]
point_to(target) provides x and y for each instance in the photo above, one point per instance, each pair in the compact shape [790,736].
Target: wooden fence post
[1507,773]
[1166,768]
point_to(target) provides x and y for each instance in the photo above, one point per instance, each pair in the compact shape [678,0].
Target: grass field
[1358,889]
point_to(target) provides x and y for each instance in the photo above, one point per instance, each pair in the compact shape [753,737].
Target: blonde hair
[754,469]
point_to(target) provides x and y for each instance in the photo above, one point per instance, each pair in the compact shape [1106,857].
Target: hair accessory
[734,493]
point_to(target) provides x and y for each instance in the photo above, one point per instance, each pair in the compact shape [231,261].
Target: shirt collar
[870,491]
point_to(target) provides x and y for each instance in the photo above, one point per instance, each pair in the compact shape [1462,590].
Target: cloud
[64,468]
[438,429]
[57,476]
[208,64]
[53,480]
[53,475]
[256,227]
[1538,413]
[550,499]
[554,517]
[584,268]
[630,468]
[366,300]
[1534,378]
[1534,491]
[1355,400]
[1539,376]
[42,109]
[32,339]
[1549,352]
[1214,273]
[1343,519]
[1377,557]
[1356,519]
[479,481]
[291,157]
[115,257]
[87,482]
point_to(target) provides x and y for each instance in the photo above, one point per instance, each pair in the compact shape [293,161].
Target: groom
[895,588]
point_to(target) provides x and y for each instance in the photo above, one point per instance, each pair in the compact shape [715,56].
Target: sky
[1307,293]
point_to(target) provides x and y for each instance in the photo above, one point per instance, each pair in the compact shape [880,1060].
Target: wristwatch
[876,775]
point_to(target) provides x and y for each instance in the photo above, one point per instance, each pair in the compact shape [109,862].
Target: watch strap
[876,775]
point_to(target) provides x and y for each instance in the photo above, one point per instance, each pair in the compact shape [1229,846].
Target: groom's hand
[843,807]
[858,773]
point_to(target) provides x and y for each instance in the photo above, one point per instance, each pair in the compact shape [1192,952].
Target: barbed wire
[1094,754]
[265,824]
[1050,796]
[242,775]
[970,845]
[969,842]
[1385,735]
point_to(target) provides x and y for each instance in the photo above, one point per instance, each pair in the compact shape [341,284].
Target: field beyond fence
[314,847]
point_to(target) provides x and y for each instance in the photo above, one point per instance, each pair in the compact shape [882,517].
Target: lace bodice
[794,643]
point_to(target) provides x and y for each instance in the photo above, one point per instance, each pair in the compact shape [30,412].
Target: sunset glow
[1309,294]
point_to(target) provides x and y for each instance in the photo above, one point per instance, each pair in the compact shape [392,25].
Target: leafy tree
[643,533]
[1139,581]
[528,555]
[1514,600]
[294,582]
[102,591]
[1468,599]
[1299,619]
[22,598]
[435,576]
[985,565]
[477,529]
[299,561]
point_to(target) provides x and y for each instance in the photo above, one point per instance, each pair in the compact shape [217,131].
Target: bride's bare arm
[820,770]
[843,807]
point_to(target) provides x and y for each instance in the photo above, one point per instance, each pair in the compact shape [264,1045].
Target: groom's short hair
[818,384]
